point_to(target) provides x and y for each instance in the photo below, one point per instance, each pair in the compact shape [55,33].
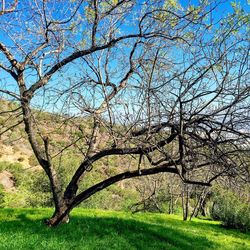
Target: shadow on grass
[94,232]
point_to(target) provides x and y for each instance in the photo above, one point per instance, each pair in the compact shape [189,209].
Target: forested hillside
[24,184]
[22,180]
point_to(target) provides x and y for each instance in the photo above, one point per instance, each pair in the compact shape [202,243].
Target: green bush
[33,161]
[15,199]
[31,188]
[231,210]
[1,196]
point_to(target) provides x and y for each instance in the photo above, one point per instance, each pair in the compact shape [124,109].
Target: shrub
[1,196]
[231,210]
[33,161]
[15,199]
[31,189]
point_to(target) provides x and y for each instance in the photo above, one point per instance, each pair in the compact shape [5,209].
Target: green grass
[96,229]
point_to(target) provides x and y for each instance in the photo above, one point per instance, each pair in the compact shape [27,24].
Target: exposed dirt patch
[7,180]
[15,154]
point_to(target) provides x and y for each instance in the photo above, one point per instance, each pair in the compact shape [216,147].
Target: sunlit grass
[97,229]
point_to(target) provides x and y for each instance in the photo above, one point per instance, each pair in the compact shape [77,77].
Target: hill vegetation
[31,186]
[24,184]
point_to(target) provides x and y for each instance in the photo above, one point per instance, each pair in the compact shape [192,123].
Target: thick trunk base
[57,219]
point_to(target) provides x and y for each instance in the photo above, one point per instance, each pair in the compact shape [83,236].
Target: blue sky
[225,7]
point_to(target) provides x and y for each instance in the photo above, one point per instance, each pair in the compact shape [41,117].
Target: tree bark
[185,201]
[59,217]
[171,201]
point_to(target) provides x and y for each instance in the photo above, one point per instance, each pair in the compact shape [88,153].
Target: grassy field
[94,229]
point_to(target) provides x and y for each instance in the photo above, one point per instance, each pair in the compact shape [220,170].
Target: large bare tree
[162,83]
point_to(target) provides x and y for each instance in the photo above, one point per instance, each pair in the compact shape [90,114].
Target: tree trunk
[185,201]
[59,217]
[203,207]
[171,202]
[198,205]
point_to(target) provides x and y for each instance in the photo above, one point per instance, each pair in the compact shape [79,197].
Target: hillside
[21,176]
[24,184]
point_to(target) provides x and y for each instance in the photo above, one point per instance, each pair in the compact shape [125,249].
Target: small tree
[159,82]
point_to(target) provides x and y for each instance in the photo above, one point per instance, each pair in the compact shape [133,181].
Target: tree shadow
[95,232]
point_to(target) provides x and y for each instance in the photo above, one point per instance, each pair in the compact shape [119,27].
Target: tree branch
[11,9]
[164,168]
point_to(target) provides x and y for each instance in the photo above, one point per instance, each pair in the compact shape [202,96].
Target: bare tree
[167,84]
[8,8]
